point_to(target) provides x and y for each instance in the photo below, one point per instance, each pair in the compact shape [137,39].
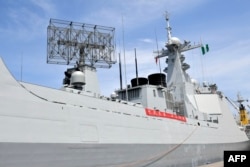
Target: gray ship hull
[112,155]
[43,127]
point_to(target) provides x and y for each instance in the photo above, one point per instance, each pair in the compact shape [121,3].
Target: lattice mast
[73,43]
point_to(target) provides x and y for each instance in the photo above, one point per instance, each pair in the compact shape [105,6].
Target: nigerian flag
[205,49]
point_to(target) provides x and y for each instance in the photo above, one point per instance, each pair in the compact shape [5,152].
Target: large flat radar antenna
[72,43]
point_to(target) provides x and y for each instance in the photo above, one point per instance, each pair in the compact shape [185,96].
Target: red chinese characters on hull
[162,114]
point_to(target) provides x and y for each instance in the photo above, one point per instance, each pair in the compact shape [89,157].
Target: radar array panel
[72,43]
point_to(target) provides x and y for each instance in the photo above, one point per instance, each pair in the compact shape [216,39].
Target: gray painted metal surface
[111,155]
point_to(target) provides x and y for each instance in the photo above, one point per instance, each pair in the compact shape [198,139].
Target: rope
[156,157]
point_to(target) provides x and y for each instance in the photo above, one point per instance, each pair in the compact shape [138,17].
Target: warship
[163,120]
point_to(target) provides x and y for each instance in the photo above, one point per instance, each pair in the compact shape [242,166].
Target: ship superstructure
[177,93]
[161,120]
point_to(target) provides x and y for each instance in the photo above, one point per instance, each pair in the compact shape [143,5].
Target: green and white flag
[205,49]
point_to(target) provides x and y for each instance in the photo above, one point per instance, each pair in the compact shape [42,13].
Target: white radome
[78,77]
[175,40]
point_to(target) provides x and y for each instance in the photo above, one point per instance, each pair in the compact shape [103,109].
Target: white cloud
[46,6]
[147,40]
[231,59]
[135,13]
[27,21]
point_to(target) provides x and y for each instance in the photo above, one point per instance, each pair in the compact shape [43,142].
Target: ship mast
[178,81]
[168,27]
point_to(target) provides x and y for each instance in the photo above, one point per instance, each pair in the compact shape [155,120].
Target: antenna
[73,43]
[120,70]
[136,69]
[240,99]
[21,68]
[168,26]
[125,70]
[157,50]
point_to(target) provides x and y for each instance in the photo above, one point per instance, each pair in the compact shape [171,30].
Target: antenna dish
[71,43]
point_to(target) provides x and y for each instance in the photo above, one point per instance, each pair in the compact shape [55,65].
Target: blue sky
[224,25]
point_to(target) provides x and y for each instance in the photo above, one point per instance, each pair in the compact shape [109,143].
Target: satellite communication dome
[113,96]
[175,40]
[194,81]
[77,78]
